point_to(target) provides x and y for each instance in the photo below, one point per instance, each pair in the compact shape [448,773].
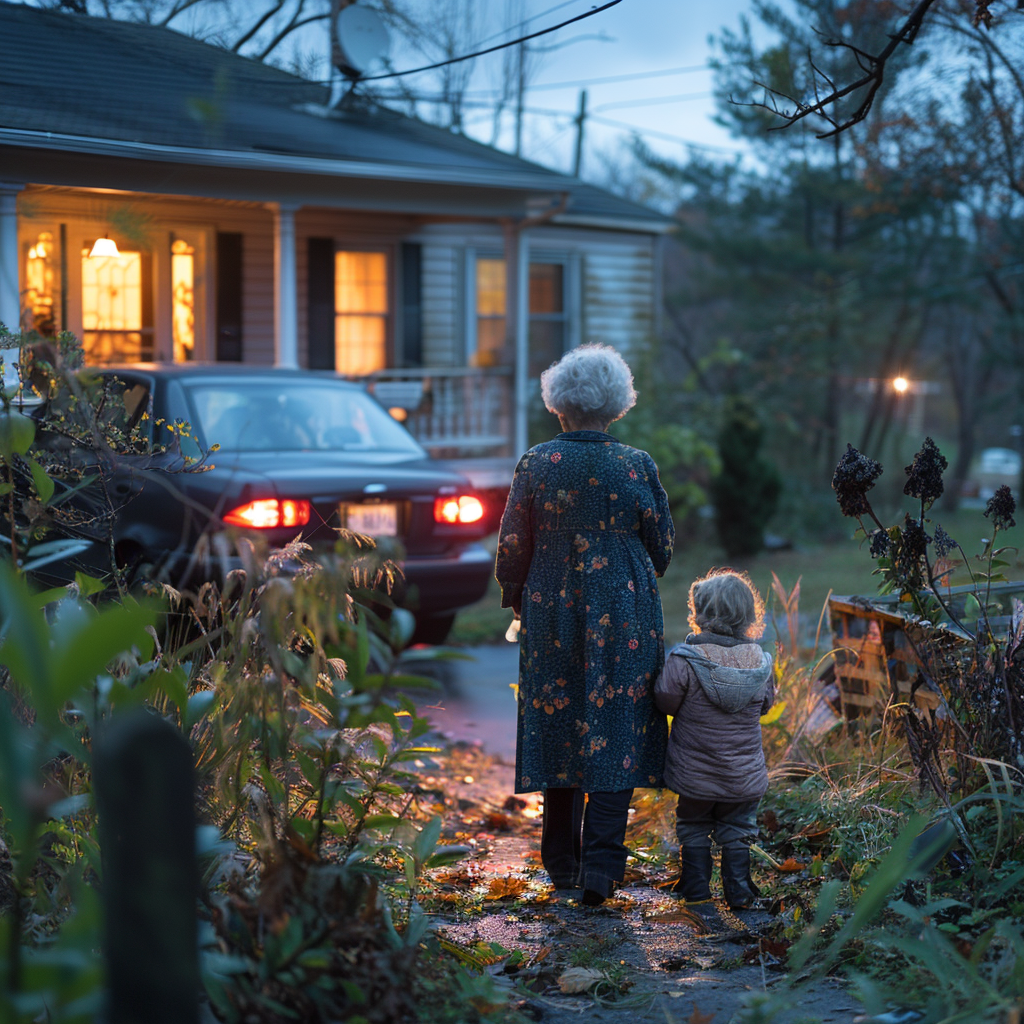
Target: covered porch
[281,284]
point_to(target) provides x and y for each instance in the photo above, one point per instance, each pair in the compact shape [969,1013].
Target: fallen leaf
[766,947]
[579,979]
[699,1018]
[680,916]
[791,864]
[506,888]
[499,822]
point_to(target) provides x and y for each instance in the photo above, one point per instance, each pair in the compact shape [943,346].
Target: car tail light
[267,513]
[458,508]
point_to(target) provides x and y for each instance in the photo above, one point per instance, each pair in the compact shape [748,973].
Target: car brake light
[267,513]
[458,508]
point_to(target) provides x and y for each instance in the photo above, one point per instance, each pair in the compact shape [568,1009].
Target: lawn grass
[842,567]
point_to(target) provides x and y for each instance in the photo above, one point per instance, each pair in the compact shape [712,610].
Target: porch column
[517,312]
[10,293]
[286,306]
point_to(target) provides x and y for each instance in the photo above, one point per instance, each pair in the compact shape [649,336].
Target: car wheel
[433,629]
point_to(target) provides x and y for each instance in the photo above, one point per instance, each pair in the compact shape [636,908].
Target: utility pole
[581,117]
[520,89]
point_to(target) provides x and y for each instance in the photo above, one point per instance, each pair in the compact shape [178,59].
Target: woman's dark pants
[585,845]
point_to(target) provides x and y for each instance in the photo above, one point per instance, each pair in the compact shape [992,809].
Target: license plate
[373,520]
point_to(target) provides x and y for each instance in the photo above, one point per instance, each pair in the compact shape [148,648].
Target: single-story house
[256,221]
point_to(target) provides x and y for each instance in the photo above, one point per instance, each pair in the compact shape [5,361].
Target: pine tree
[746,491]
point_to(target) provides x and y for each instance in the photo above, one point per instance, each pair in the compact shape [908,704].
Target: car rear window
[284,416]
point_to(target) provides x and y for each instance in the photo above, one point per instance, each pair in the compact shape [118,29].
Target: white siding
[443,337]
[618,296]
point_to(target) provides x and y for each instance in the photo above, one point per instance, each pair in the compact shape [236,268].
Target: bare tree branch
[257,25]
[871,80]
[179,8]
[295,23]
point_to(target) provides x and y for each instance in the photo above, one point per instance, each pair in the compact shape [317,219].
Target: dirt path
[652,959]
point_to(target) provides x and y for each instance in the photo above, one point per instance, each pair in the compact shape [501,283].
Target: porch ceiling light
[104,246]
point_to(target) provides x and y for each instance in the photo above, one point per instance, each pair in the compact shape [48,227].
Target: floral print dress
[585,534]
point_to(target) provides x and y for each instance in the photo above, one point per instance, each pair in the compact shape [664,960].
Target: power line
[584,82]
[570,117]
[654,100]
[492,49]
[622,78]
[526,21]
[611,122]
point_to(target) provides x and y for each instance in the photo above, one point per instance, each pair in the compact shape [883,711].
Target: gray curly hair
[590,383]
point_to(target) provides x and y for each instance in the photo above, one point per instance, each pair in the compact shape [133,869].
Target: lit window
[361,312]
[38,302]
[547,313]
[183,309]
[547,316]
[490,311]
[116,317]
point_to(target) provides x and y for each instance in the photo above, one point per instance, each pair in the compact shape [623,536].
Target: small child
[717,685]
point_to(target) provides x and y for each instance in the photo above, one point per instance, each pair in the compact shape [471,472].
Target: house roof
[94,86]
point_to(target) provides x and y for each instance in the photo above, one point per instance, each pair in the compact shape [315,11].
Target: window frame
[569,317]
[389,316]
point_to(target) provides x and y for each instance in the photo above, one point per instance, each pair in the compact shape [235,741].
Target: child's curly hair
[725,601]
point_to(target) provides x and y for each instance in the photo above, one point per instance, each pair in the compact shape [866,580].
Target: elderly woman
[585,534]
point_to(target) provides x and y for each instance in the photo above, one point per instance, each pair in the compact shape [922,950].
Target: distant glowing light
[901,384]
[104,247]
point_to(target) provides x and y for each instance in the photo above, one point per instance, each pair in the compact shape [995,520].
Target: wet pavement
[476,700]
[655,960]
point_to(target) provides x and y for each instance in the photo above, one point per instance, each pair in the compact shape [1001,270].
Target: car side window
[178,411]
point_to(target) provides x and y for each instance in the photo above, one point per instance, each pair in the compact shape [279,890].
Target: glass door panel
[117,307]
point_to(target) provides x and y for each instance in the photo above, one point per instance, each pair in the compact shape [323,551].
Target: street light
[901,385]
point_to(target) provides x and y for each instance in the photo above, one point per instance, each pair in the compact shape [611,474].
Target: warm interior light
[460,508]
[268,513]
[183,300]
[104,247]
[901,384]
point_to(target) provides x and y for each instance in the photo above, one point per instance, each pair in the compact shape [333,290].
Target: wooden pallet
[873,656]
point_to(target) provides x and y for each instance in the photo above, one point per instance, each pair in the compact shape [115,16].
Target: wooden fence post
[142,775]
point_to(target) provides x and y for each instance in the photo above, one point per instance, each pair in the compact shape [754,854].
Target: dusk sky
[640,36]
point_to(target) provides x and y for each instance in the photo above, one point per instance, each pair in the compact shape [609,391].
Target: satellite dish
[361,40]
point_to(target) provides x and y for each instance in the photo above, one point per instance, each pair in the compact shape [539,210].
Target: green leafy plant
[313,847]
[63,431]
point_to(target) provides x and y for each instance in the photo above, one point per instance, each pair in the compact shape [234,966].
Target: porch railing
[458,409]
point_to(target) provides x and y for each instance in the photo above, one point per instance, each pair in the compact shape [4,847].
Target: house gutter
[242,159]
[647,227]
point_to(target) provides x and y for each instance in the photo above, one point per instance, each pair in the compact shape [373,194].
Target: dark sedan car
[301,454]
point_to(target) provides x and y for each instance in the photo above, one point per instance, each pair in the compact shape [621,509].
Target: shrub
[746,490]
[291,692]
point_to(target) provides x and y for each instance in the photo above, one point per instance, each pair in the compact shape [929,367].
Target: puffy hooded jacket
[716,688]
